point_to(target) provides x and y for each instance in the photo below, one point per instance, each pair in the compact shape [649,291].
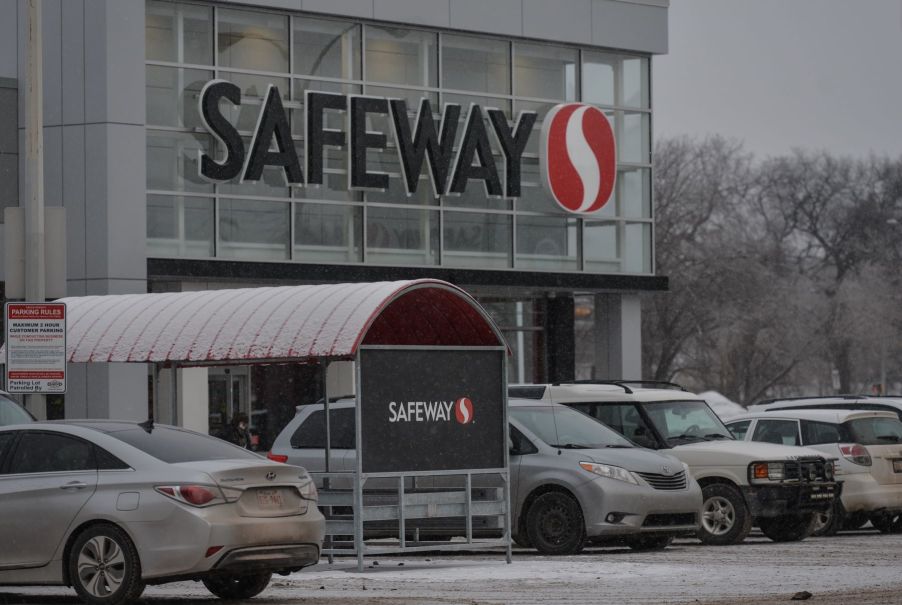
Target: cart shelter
[431,383]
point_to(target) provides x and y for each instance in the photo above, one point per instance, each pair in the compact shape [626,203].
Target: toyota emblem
[270,476]
[666,470]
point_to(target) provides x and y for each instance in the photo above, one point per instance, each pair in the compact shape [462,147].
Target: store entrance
[229,395]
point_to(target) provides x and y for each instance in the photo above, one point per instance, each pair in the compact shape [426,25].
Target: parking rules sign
[36,347]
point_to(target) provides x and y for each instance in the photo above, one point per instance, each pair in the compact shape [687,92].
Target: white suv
[781,489]
[867,445]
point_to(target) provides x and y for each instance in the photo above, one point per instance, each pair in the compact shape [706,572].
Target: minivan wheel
[235,588]
[788,528]
[648,543]
[555,525]
[725,516]
[104,567]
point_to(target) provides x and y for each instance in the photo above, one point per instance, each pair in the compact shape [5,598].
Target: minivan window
[312,432]
[174,445]
[566,428]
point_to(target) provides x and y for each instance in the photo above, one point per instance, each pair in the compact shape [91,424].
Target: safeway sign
[36,347]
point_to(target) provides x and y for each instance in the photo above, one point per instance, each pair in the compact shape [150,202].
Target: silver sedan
[107,507]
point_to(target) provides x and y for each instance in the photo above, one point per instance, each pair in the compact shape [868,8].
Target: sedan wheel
[104,566]
[232,587]
[725,517]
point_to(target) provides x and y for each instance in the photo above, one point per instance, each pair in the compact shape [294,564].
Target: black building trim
[176,269]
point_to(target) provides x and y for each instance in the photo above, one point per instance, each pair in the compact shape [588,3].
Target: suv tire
[887,523]
[829,522]
[555,525]
[104,567]
[788,528]
[725,516]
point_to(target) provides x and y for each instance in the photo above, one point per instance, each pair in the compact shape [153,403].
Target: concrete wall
[618,340]
[638,25]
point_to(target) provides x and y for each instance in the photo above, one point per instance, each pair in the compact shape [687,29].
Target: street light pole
[34,175]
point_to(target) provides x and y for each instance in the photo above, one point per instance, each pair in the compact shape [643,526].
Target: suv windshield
[685,421]
[875,431]
[12,413]
[566,428]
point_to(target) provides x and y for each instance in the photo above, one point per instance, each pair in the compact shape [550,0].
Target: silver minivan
[573,480]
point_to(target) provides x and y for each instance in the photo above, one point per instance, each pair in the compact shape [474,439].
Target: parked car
[573,480]
[107,507]
[778,488]
[832,402]
[867,447]
[12,413]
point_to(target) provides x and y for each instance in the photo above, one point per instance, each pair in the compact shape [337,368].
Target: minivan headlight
[611,472]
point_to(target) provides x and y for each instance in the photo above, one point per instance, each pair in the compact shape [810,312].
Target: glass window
[253,40]
[547,242]
[328,232]
[253,230]
[637,253]
[326,48]
[623,418]
[387,162]
[312,432]
[599,71]
[474,239]
[545,71]
[875,430]
[739,429]
[634,82]
[51,453]
[179,226]
[785,432]
[174,445]
[633,193]
[632,137]
[477,64]
[172,161]
[560,426]
[164,21]
[401,236]
[6,440]
[685,421]
[172,96]
[815,433]
[520,445]
[272,182]
[400,56]
[108,462]
[601,246]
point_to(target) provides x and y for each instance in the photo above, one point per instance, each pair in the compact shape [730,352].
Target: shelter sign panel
[431,409]
[36,347]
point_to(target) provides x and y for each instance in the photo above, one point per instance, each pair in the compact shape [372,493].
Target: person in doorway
[237,431]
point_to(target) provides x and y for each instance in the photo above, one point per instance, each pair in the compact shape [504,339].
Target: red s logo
[579,157]
[463,410]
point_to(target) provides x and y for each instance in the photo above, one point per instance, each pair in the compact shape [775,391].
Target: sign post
[35,347]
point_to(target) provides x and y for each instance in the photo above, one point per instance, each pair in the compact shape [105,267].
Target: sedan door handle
[74,485]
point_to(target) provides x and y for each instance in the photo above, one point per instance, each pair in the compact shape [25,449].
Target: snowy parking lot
[863,567]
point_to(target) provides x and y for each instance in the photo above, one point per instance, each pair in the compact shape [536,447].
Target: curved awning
[259,325]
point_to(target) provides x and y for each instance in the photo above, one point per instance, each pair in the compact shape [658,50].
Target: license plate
[269,498]
[897,465]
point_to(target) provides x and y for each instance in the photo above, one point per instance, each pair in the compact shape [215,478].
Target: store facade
[334,196]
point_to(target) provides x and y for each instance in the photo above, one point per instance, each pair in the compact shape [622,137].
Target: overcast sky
[780,74]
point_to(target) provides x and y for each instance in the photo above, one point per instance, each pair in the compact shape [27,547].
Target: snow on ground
[861,567]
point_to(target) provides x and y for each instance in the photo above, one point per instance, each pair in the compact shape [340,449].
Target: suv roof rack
[616,383]
[775,399]
[623,383]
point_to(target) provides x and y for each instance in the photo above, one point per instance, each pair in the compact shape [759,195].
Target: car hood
[737,452]
[635,459]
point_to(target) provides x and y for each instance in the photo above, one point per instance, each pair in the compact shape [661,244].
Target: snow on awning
[274,323]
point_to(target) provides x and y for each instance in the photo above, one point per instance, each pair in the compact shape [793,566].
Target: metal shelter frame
[249,326]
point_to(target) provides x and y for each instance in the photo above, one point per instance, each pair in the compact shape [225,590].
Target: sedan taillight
[277,457]
[856,453]
[195,495]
